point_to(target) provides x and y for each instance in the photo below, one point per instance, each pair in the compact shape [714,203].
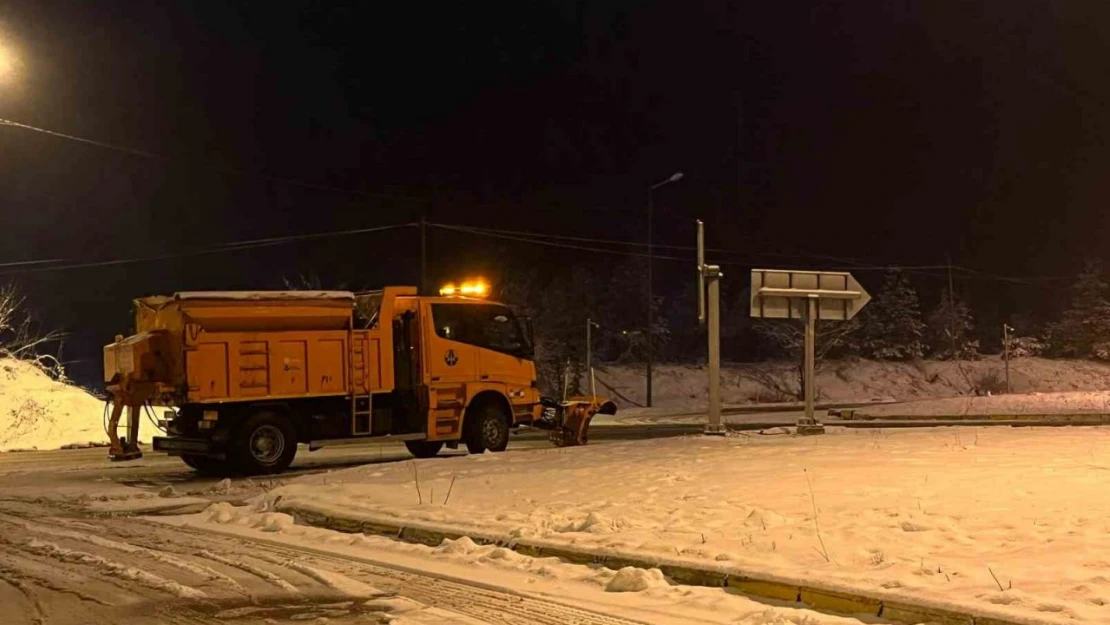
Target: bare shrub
[1026,346]
[24,419]
[989,383]
[22,339]
[782,382]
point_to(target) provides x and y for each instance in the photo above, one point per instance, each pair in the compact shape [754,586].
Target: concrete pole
[650,295]
[713,276]
[710,313]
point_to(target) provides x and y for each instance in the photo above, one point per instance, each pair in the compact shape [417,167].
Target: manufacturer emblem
[450,358]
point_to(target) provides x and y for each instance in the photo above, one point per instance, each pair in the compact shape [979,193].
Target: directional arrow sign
[783,293]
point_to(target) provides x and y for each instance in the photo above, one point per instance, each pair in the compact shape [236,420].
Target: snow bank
[37,412]
[679,387]
[645,596]
[1031,403]
[942,515]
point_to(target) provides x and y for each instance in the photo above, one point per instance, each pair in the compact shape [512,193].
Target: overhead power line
[551,240]
[284,180]
[223,170]
[24,263]
[39,267]
[586,244]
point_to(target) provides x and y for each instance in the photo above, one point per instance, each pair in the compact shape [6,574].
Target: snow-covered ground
[1012,521]
[1077,402]
[38,412]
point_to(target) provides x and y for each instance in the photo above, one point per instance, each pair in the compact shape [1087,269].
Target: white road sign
[783,293]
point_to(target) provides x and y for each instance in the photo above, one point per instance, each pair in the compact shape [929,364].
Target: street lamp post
[675,177]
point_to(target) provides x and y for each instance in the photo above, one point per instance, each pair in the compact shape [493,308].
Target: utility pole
[590,343]
[675,177]
[423,254]
[650,297]
[951,308]
[711,311]
[1006,329]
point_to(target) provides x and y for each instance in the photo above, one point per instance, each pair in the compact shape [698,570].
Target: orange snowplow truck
[250,375]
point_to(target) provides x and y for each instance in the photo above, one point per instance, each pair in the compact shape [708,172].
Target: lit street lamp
[675,177]
[8,65]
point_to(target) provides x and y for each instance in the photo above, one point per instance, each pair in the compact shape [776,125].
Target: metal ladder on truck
[362,405]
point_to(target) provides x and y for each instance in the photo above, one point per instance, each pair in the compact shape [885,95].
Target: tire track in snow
[253,570]
[201,571]
[111,567]
[336,581]
[138,545]
[484,604]
[38,617]
[14,577]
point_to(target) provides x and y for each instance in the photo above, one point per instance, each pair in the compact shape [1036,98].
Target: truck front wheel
[205,465]
[424,449]
[486,427]
[265,443]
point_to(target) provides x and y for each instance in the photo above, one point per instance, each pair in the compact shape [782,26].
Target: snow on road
[642,596]
[1013,521]
[62,571]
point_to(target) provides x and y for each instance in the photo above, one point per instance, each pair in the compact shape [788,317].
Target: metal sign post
[710,276]
[809,296]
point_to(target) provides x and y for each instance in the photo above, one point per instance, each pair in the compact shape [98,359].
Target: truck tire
[206,466]
[486,427]
[264,444]
[424,449]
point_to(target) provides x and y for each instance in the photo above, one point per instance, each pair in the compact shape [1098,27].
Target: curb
[840,601]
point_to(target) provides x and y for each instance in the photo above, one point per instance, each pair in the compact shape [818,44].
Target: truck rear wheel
[487,427]
[424,449]
[265,443]
[205,465]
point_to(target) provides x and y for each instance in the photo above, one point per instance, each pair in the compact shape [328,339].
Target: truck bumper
[175,446]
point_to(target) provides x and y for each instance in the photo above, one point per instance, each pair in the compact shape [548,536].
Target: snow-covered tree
[1083,329]
[892,325]
[949,329]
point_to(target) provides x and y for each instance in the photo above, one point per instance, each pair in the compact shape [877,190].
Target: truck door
[450,362]
[449,356]
[505,356]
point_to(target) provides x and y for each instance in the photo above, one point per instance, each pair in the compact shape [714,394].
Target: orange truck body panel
[218,347]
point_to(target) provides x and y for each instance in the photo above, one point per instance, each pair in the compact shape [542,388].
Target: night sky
[874,132]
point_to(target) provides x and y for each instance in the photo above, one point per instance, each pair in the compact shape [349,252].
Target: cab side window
[450,322]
